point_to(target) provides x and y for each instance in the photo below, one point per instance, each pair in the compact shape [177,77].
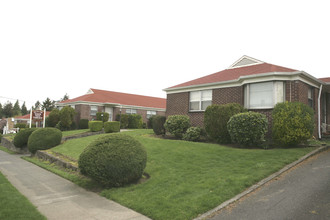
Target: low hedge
[44,138]
[113,160]
[22,137]
[192,134]
[95,126]
[177,125]
[111,126]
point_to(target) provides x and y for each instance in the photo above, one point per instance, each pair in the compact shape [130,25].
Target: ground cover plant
[73,132]
[13,205]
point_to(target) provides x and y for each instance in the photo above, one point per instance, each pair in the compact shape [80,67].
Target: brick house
[114,103]
[256,85]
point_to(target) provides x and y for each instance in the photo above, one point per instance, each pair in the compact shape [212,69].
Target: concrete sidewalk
[58,198]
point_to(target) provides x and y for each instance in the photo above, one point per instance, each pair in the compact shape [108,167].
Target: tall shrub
[123,119]
[53,118]
[135,121]
[293,123]
[83,123]
[103,118]
[177,125]
[66,117]
[248,128]
[158,122]
[216,118]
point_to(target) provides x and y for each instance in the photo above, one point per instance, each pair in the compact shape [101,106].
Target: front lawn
[13,205]
[187,178]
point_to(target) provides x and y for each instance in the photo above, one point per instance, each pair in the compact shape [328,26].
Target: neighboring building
[256,85]
[26,119]
[114,103]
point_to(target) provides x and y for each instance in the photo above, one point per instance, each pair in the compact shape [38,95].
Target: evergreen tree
[37,105]
[65,97]
[8,110]
[16,109]
[24,109]
[48,104]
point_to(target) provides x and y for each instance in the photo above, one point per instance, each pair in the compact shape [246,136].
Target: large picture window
[263,95]
[199,100]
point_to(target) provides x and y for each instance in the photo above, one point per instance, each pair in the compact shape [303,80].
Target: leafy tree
[24,109]
[8,110]
[37,105]
[48,104]
[65,97]
[16,109]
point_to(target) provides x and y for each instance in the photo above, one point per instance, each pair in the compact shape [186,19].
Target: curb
[261,183]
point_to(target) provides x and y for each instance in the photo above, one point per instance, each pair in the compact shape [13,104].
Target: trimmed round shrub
[216,118]
[177,125]
[22,137]
[248,129]
[53,118]
[293,123]
[83,123]
[193,134]
[103,118]
[158,122]
[95,126]
[113,160]
[111,126]
[44,138]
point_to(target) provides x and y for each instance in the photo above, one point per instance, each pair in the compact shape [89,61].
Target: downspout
[319,112]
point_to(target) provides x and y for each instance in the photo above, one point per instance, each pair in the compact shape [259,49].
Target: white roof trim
[90,91]
[245,57]
[297,75]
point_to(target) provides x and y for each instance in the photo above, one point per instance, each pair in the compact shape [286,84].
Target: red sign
[37,115]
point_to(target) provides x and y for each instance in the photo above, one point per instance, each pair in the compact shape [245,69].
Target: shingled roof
[245,66]
[118,98]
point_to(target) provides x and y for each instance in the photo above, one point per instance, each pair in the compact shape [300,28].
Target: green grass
[13,205]
[6,150]
[73,132]
[187,178]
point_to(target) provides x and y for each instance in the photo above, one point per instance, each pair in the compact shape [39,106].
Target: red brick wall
[178,103]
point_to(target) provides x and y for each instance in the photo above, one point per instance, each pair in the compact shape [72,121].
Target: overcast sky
[50,48]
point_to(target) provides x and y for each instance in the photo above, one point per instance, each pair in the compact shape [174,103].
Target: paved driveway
[302,193]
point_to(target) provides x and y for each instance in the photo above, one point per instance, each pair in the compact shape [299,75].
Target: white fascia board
[111,104]
[272,76]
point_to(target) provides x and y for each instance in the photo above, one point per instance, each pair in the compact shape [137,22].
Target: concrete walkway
[58,198]
[302,193]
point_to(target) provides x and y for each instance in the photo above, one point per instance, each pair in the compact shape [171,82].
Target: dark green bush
[95,126]
[248,128]
[83,123]
[20,125]
[113,160]
[216,118]
[22,137]
[135,121]
[149,122]
[293,123]
[111,126]
[44,138]
[66,117]
[158,122]
[123,119]
[192,134]
[53,118]
[177,125]
[104,118]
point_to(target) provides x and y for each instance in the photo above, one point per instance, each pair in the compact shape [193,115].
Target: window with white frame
[131,111]
[199,100]
[93,110]
[151,113]
[263,95]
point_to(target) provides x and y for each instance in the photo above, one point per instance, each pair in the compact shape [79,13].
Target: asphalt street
[301,193]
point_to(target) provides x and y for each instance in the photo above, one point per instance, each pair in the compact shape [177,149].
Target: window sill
[196,111]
